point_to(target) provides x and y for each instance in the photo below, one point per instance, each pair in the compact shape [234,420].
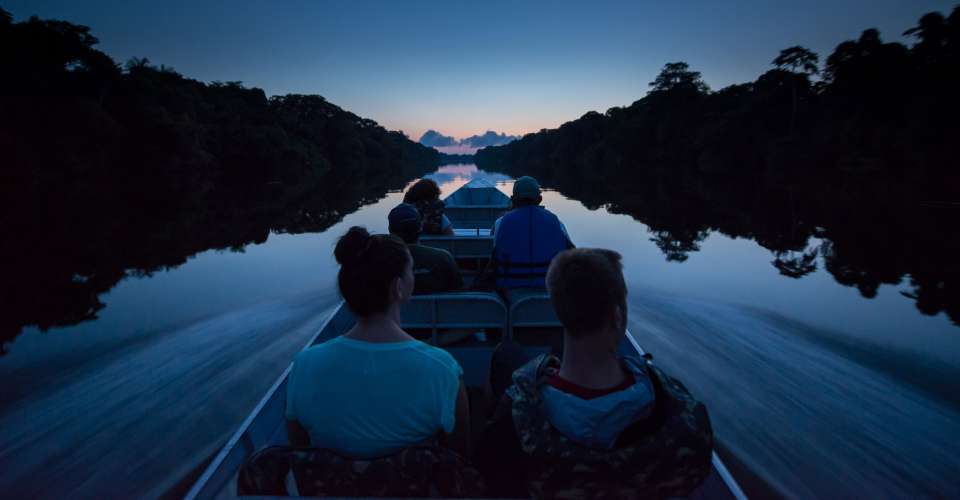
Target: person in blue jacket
[526,239]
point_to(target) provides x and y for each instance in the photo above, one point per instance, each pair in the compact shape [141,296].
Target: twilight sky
[462,68]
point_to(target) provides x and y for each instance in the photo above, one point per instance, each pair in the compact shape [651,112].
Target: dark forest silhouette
[110,172]
[864,159]
[453,159]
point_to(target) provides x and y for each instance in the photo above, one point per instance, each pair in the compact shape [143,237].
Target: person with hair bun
[375,390]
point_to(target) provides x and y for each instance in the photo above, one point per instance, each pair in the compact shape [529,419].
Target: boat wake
[810,414]
[808,411]
[144,416]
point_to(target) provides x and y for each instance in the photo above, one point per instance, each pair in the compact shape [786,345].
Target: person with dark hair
[375,390]
[526,239]
[425,195]
[434,269]
[593,421]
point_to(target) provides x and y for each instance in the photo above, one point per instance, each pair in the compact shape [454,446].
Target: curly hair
[422,190]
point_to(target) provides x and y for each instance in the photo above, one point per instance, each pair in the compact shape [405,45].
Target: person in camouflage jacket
[662,444]
[668,454]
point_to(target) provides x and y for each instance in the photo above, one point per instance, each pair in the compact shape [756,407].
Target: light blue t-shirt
[366,400]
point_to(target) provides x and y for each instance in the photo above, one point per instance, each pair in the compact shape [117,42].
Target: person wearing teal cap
[526,239]
[526,189]
[434,269]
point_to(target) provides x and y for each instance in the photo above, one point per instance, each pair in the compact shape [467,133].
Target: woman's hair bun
[351,245]
[369,264]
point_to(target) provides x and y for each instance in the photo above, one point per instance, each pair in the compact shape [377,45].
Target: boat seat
[457,310]
[472,231]
[533,322]
[456,314]
[462,247]
[531,308]
[479,216]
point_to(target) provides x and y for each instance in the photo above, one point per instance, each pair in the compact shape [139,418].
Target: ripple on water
[138,420]
[798,405]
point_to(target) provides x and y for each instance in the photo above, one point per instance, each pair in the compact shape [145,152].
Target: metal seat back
[461,247]
[460,310]
[480,216]
[531,309]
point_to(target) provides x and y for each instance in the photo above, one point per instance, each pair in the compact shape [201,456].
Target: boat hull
[265,426]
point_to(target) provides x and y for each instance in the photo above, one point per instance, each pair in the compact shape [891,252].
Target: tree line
[110,171]
[853,159]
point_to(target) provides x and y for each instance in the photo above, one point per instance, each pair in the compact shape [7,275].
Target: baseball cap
[526,187]
[404,218]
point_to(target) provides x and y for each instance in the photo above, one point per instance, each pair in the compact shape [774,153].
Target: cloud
[448,144]
[435,139]
[488,138]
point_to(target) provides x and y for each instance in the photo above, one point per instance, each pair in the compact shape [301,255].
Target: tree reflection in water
[55,273]
[110,172]
[859,243]
[856,172]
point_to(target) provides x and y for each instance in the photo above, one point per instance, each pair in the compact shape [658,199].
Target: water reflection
[864,236]
[56,268]
[59,274]
[829,381]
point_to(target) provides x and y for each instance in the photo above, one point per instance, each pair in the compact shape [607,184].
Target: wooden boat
[527,318]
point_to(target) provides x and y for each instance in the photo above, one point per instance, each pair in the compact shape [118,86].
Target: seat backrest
[461,247]
[461,310]
[531,309]
[474,216]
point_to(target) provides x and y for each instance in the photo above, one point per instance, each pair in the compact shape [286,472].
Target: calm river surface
[818,390]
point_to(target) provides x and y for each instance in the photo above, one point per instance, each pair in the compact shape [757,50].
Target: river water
[819,391]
